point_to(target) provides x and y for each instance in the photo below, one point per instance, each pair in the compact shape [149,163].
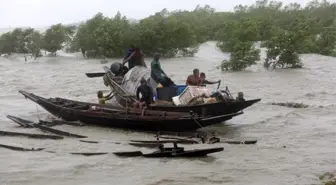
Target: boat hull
[134,122]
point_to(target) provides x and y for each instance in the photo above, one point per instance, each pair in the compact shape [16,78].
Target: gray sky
[40,13]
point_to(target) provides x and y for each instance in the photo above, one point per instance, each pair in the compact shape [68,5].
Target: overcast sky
[40,13]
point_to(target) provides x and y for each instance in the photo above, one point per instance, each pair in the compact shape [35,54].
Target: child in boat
[102,99]
[203,81]
[240,97]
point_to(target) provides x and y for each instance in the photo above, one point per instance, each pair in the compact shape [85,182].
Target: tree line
[285,30]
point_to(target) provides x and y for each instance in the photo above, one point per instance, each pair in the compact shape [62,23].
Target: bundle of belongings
[195,95]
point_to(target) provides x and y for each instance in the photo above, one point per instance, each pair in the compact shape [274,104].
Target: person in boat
[158,74]
[129,51]
[193,79]
[161,148]
[146,95]
[102,99]
[240,97]
[135,59]
[204,81]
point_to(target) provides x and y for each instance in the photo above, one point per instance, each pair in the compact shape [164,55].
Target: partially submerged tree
[55,36]
[238,38]
[243,55]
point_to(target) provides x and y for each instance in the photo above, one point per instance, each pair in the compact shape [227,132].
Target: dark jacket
[146,92]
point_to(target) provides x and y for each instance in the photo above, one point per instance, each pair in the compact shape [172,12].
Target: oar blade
[93,75]
[129,154]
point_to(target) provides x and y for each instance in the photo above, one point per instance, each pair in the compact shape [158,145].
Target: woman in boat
[158,74]
[102,99]
[135,59]
[146,95]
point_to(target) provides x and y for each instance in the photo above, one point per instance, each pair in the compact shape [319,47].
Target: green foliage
[311,29]
[56,36]
[328,178]
[243,55]
[6,43]
[238,38]
[21,41]
[283,48]
[243,30]
[158,33]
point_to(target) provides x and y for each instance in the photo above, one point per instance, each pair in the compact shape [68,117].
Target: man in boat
[158,74]
[193,79]
[128,54]
[146,95]
[204,82]
[102,99]
[135,59]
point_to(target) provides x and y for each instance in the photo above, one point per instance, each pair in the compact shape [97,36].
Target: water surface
[307,134]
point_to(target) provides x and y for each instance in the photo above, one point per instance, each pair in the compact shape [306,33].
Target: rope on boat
[192,116]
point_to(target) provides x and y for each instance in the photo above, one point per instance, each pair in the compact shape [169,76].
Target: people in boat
[193,79]
[146,95]
[204,81]
[158,74]
[240,97]
[135,59]
[102,99]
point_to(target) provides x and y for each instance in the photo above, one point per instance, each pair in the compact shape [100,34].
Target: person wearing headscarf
[158,74]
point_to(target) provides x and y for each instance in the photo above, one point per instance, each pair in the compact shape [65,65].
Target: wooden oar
[16,148]
[38,136]
[89,153]
[246,142]
[146,145]
[128,154]
[93,75]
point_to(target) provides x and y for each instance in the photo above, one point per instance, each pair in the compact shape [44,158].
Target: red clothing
[137,58]
[193,80]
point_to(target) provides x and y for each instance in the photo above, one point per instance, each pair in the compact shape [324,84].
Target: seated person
[203,81]
[193,79]
[146,95]
[240,97]
[102,99]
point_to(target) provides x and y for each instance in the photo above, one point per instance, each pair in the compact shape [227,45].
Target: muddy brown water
[309,134]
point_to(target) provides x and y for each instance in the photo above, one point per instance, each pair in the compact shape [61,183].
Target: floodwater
[294,146]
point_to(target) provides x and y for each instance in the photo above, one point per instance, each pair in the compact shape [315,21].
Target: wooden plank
[36,136]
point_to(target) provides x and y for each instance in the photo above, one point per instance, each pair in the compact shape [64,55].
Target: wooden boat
[126,98]
[171,152]
[126,118]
